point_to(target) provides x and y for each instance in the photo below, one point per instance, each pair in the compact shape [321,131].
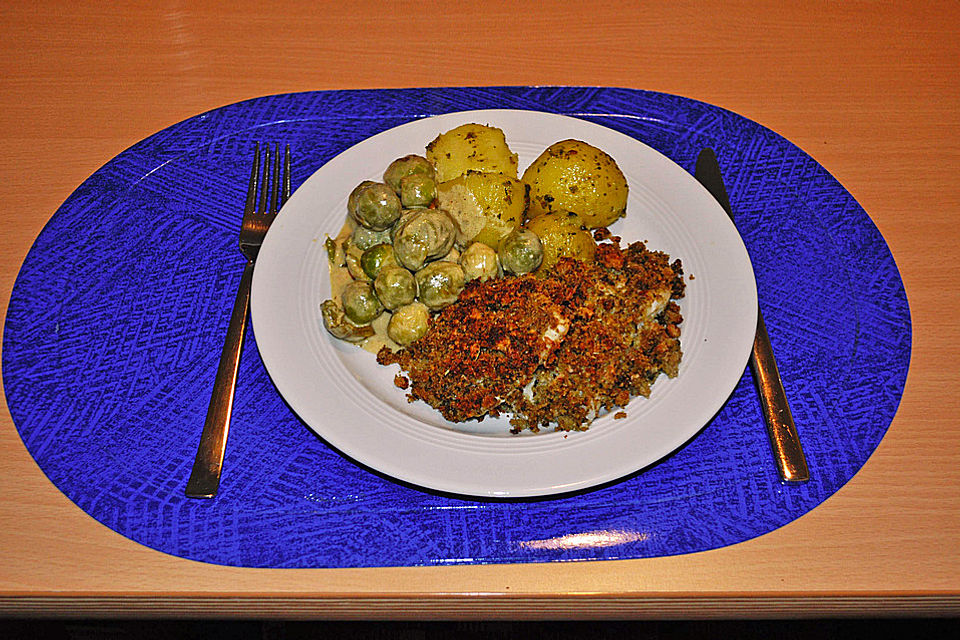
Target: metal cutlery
[791,462]
[258,214]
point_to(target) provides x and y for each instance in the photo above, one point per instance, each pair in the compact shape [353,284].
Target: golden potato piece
[484,206]
[563,235]
[574,176]
[471,147]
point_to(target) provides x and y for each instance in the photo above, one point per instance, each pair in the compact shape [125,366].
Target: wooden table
[869,89]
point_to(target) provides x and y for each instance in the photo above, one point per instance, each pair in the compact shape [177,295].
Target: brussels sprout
[479,262]
[408,323]
[407,166]
[395,287]
[376,258]
[374,206]
[422,234]
[520,251]
[417,191]
[352,198]
[439,283]
[360,303]
[339,326]
[452,256]
[363,238]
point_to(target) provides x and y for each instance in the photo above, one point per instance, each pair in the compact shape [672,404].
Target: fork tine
[275,181]
[264,190]
[254,175]
[286,174]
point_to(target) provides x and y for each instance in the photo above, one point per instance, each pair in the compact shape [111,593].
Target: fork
[257,217]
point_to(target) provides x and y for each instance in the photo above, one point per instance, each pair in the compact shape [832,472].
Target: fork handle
[205,477]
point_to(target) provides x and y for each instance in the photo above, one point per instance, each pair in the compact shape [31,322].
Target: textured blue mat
[119,311]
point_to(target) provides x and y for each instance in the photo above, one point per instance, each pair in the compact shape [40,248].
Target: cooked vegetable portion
[410,165]
[480,262]
[339,326]
[374,206]
[409,323]
[417,191]
[563,235]
[360,303]
[439,283]
[574,176]
[422,234]
[520,252]
[485,206]
[395,287]
[474,147]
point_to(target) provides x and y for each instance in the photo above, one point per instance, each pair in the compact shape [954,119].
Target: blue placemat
[119,311]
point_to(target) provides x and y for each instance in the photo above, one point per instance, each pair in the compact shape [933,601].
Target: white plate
[351,402]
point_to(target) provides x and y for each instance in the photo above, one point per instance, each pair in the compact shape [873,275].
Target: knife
[791,463]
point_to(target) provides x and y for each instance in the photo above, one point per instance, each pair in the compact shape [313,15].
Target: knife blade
[784,439]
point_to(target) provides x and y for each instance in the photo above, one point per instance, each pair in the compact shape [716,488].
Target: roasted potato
[574,176]
[563,235]
[485,206]
[471,147]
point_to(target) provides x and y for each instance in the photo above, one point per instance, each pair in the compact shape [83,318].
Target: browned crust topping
[555,348]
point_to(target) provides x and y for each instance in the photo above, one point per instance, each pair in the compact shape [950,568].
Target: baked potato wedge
[471,147]
[484,206]
[563,235]
[574,176]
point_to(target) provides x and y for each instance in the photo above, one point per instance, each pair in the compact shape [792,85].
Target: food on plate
[336,322]
[474,147]
[555,349]
[480,262]
[417,191]
[395,287]
[492,294]
[520,252]
[360,304]
[572,175]
[405,167]
[485,206]
[409,323]
[375,206]
[439,283]
[422,235]
[376,258]
[563,235]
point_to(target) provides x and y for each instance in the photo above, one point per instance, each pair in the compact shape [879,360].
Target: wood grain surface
[869,89]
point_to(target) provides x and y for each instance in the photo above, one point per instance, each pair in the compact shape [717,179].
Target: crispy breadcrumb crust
[556,348]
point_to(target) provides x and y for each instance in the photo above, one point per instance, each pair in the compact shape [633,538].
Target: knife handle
[791,462]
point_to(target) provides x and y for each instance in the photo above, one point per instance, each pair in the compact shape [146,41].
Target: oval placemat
[118,314]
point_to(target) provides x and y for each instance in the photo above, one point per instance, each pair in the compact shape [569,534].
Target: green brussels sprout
[452,256]
[363,238]
[408,323]
[374,206]
[360,303]
[421,235]
[407,166]
[339,326]
[395,287]
[417,190]
[439,283]
[352,198]
[520,251]
[376,258]
[479,262]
